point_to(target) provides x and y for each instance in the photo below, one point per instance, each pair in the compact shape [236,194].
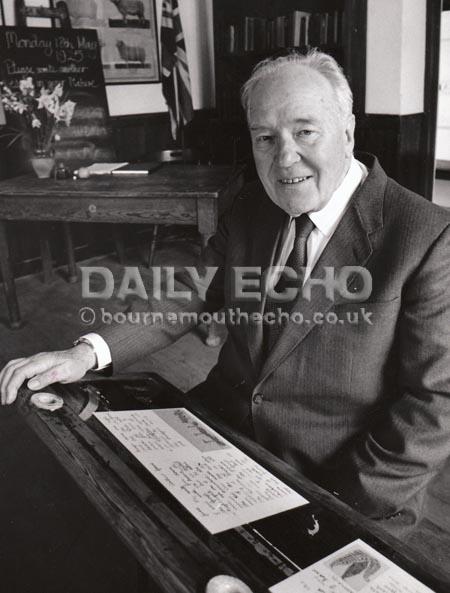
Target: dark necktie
[298,257]
[297,260]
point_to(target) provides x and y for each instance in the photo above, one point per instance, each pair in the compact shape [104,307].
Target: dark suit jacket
[363,408]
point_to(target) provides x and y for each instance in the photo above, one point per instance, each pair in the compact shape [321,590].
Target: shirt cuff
[101,350]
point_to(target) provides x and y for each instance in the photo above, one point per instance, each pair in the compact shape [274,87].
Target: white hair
[314,59]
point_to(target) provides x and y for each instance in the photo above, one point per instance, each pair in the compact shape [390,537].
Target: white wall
[396,39]
[443,120]
[196,17]
[395,59]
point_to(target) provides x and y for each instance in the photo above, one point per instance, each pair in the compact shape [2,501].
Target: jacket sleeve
[153,325]
[384,471]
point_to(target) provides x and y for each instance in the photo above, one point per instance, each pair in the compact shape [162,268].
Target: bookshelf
[247,31]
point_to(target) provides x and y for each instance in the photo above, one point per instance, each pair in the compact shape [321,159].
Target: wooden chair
[176,155]
[180,155]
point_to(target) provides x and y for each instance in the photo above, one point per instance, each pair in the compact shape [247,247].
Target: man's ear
[350,134]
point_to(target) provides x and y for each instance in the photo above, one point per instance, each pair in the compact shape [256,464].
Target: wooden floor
[51,540]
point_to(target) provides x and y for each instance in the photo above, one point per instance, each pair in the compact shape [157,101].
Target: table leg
[71,265]
[206,219]
[207,225]
[204,238]
[8,279]
[151,252]
[119,243]
[46,254]
[212,338]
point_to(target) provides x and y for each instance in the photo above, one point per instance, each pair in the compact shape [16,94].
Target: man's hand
[42,369]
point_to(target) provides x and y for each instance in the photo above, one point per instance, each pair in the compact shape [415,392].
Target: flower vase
[43,164]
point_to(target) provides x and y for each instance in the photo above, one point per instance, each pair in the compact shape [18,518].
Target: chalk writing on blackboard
[52,56]
[72,57]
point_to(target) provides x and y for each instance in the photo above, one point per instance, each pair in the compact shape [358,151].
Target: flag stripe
[174,63]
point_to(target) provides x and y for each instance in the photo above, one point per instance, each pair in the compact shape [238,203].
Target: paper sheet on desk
[355,567]
[216,482]
[104,168]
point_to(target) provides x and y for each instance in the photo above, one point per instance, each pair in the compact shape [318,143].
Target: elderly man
[354,392]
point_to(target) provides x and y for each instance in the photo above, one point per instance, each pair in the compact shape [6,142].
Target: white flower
[26,86]
[58,90]
[47,101]
[9,99]
[17,106]
[6,103]
[40,108]
[7,90]
[42,99]
[65,112]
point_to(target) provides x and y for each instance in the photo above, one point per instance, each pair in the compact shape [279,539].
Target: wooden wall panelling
[396,141]
[137,136]
[412,167]
[355,35]
[428,140]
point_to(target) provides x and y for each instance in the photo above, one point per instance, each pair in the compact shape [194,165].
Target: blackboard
[71,56]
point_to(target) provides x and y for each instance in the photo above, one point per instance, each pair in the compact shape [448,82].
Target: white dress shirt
[325,221]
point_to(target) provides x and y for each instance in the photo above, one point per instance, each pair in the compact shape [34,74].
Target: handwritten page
[355,567]
[215,481]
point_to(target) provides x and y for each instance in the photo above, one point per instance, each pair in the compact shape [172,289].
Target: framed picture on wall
[128,36]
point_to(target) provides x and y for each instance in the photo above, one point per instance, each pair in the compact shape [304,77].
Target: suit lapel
[350,245]
[269,220]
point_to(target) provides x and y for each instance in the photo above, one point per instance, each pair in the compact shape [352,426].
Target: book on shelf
[271,35]
[230,40]
[260,34]
[324,28]
[249,33]
[281,23]
[299,25]
[300,28]
[336,27]
[314,29]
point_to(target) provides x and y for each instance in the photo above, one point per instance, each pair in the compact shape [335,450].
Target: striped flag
[176,84]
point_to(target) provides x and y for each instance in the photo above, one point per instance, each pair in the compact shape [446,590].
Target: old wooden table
[174,194]
[177,553]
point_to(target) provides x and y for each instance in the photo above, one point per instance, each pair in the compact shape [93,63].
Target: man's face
[301,145]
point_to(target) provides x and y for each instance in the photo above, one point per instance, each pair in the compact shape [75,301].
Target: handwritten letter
[216,482]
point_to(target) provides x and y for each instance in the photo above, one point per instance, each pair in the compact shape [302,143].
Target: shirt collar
[327,219]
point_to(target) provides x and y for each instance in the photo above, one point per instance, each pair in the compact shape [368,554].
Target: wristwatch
[100,347]
[84,340]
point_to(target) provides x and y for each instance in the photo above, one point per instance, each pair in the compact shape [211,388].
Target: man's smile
[291,180]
